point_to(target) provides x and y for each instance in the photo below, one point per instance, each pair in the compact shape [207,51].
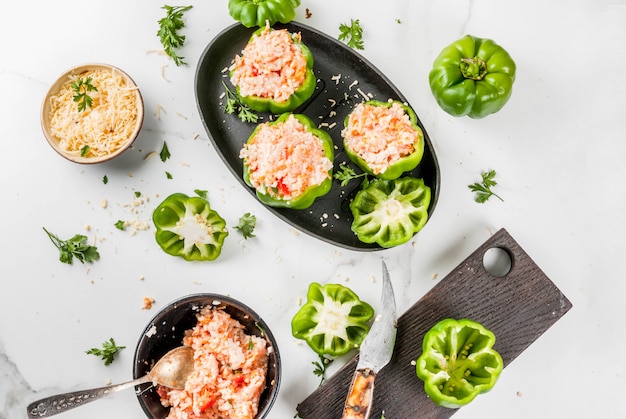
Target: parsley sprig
[345,174]
[76,247]
[168,31]
[235,105]
[81,88]
[108,351]
[352,34]
[321,366]
[246,225]
[483,190]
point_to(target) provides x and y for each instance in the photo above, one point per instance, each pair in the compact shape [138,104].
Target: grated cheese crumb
[104,203]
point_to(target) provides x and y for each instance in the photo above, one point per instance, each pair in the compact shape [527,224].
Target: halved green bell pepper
[333,320]
[458,362]
[472,76]
[272,196]
[390,212]
[297,98]
[189,228]
[258,12]
[402,165]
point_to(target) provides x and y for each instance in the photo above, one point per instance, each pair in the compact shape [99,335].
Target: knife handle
[361,394]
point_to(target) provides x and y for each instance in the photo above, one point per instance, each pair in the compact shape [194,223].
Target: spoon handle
[59,403]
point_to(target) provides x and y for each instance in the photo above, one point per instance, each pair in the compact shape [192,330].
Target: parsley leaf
[120,225]
[165,152]
[105,179]
[169,175]
[235,105]
[84,150]
[108,351]
[483,190]
[76,247]
[168,31]
[246,225]
[352,34]
[81,88]
[345,174]
[321,367]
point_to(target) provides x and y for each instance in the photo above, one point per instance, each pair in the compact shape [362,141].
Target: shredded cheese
[105,126]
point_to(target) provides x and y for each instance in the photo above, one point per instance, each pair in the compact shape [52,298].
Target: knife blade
[376,352]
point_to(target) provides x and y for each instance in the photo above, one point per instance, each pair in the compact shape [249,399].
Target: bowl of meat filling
[236,360]
[92,113]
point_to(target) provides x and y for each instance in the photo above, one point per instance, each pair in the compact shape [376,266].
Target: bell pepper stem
[473,68]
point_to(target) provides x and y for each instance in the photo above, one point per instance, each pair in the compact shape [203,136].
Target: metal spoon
[170,371]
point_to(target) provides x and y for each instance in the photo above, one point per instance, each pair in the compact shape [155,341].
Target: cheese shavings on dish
[380,135]
[285,159]
[102,128]
[271,66]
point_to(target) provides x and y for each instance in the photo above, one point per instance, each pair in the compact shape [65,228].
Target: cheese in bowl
[92,113]
[288,161]
[383,138]
[274,72]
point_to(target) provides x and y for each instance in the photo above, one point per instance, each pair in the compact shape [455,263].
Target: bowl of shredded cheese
[92,113]
[237,365]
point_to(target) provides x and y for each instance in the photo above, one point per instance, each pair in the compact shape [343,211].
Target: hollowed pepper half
[458,362]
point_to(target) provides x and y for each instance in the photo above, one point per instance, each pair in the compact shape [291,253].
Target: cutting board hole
[497,261]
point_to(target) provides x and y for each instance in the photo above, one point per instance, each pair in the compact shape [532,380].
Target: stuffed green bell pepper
[472,76]
[288,161]
[383,138]
[189,228]
[390,212]
[458,362]
[274,72]
[258,12]
[333,320]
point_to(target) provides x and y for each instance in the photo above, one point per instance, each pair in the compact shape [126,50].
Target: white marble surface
[558,147]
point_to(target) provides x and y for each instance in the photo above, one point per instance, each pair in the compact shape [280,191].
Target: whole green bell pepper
[472,76]
[403,164]
[458,362]
[390,212]
[274,196]
[297,98]
[333,320]
[258,12]
[189,228]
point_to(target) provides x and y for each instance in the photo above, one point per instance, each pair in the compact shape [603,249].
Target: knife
[376,351]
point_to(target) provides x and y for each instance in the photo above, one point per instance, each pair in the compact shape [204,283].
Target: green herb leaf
[246,225]
[108,351]
[76,247]
[169,175]
[105,179]
[81,88]
[120,225]
[165,152]
[352,34]
[321,367]
[201,193]
[84,151]
[250,344]
[483,190]
[235,105]
[168,31]
[345,174]
[137,194]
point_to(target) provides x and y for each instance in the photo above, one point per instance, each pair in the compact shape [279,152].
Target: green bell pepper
[297,98]
[390,212]
[333,320]
[274,195]
[258,12]
[401,165]
[458,362]
[189,228]
[472,76]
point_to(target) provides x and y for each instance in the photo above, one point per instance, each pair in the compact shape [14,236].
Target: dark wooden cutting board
[518,307]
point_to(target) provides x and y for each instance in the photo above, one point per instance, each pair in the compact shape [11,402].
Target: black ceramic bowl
[166,330]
